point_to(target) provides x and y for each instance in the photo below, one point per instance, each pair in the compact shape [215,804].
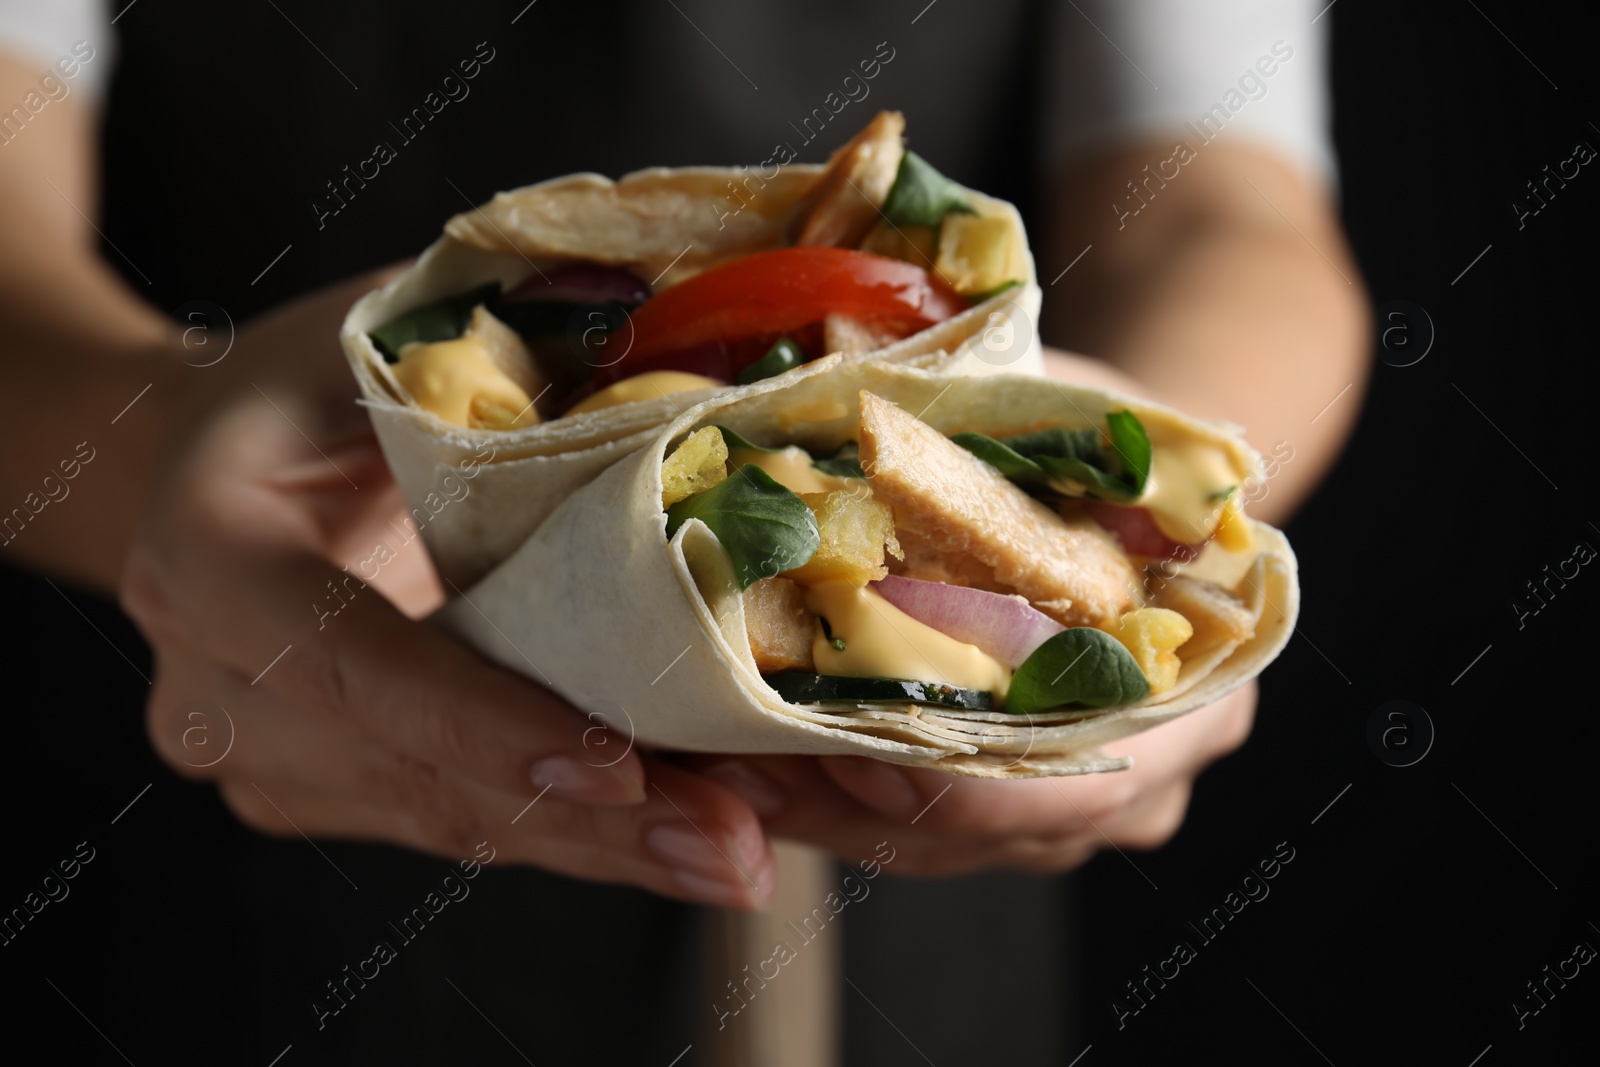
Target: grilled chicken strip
[855,185]
[959,518]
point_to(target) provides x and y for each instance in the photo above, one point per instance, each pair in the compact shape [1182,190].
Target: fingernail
[682,845]
[753,787]
[720,894]
[584,783]
[884,787]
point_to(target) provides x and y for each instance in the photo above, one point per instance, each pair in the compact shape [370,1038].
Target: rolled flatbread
[476,494]
[651,634]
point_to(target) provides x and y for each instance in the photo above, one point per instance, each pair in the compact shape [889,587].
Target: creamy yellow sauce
[792,469]
[459,382]
[881,641]
[650,385]
[1181,493]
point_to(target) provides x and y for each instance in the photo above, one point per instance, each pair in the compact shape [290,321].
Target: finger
[404,685]
[1154,820]
[973,808]
[689,831]
[706,838]
[728,862]
[1047,806]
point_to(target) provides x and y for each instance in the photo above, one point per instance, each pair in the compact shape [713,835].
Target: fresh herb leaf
[764,528]
[783,355]
[848,467]
[838,644]
[921,196]
[844,463]
[1010,463]
[569,340]
[442,320]
[1221,494]
[734,442]
[1132,446]
[1064,460]
[989,294]
[1082,666]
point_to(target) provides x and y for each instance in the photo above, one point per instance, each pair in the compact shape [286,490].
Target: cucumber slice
[798,687]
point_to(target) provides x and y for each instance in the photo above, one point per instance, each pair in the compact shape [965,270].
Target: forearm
[1230,294]
[78,346]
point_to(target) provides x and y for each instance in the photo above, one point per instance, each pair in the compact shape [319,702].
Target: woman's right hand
[321,705]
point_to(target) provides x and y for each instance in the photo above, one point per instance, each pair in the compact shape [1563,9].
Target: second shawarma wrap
[551,331]
[990,575]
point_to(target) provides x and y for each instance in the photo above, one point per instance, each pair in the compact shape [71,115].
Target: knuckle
[966,815]
[451,736]
[253,810]
[142,593]
[322,676]
[1158,826]
[165,728]
[435,809]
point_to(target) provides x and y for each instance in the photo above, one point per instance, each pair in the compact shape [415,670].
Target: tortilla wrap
[650,635]
[665,224]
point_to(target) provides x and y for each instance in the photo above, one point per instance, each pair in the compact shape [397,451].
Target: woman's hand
[939,824]
[318,702]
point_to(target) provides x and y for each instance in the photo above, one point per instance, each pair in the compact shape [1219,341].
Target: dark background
[1415,907]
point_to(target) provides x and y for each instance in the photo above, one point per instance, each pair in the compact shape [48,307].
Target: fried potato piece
[1153,636]
[849,194]
[856,532]
[696,465]
[779,626]
[974,252]
[959,509]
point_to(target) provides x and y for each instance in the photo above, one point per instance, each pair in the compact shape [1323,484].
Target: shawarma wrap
[555,329]
[991,575]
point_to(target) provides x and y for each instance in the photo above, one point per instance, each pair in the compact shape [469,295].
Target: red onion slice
[1005,627]
[581,283]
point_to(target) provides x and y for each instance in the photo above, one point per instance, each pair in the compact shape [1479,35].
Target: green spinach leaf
[1082,666]
[442,320]
[764,528]
[1132,446]
[1049,459]
[844,463]
[735,442]
[989,294]
[783,355]
[921,196]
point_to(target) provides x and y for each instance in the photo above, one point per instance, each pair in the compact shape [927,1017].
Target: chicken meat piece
[959,518]
[779,626]
[848,195]
[855,337]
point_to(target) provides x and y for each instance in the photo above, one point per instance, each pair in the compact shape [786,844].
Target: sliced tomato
[712,316]
[1136,531]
